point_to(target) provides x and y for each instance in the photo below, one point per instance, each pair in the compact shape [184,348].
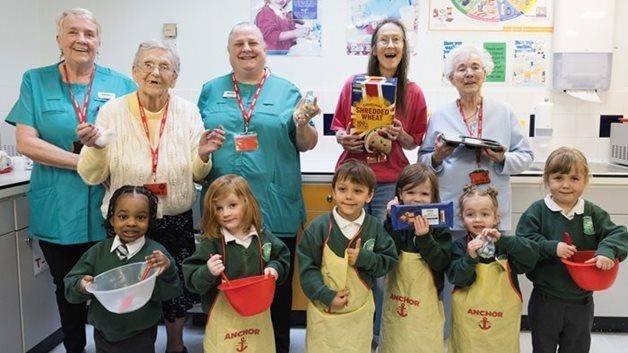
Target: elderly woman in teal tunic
[265,128]
[64,212]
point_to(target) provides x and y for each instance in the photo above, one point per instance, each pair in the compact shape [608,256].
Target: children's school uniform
[111,327]
[560,312]
[413,316]
[486,302]
[325,270]
[226,330]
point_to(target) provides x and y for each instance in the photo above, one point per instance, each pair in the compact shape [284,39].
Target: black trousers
[557,323]
[281,309]
[143,342]
[61,259]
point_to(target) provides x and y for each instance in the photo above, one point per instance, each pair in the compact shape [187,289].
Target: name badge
[106,95]
[159,189]
[246,142]
[228,94]
[479,177]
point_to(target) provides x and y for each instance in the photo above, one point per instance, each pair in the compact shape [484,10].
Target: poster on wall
[364,15]
[289,27]
[531,62]
[498,52]
[491,15]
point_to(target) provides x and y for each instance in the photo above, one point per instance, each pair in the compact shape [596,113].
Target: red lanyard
[247,115]
[81,112]
[478,152]
[154,152]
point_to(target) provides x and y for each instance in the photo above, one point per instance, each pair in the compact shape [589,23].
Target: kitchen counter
[14,183]
[598,170]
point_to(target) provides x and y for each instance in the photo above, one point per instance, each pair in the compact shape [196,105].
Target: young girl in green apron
[234,244]
[559,312]
[340,255]
[486,302]
[413,316]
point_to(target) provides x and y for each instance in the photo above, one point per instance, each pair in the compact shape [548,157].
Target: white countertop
[14,183]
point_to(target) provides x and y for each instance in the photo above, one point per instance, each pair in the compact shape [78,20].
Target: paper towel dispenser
[582,71]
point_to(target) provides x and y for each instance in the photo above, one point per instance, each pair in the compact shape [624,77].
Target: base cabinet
[10,329]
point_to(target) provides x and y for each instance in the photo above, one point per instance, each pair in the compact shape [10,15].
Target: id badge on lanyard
[81,112]
[160,189]
[247,141]
[479,176]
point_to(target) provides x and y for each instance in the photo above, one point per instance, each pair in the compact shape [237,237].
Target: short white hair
[77,12]
[462,53]
[154,44]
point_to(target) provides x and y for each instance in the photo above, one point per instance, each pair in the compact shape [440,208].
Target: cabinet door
[10,330]
[40,317]
[21,212]
[6,216]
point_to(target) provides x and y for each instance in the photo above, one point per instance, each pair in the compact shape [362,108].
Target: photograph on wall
[531,62]
[498,52]
[364,15]
[491,15]
[289,27]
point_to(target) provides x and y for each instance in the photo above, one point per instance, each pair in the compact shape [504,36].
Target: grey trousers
[143,342]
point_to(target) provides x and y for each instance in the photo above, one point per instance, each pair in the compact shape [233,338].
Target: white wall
[28,32]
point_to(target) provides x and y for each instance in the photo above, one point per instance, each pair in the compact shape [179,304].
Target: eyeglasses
[150,66]
[395,41]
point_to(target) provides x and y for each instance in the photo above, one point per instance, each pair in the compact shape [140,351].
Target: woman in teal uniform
[265,129]
[64,212]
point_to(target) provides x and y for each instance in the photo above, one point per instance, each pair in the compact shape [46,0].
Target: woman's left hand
[495,156]
[159,260]
[211,140]
[393,131]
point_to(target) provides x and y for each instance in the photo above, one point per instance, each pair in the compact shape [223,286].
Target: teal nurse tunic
[63,209]
[273,171]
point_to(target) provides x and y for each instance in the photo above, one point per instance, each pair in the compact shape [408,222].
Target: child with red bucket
[234,246]
[560,312]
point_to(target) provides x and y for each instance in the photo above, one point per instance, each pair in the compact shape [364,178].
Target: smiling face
[479,212]
[389,48]
[417,194]
[230,213]
[79,40]
[130,219]
[350,198]
[246,52]
[468,75]
[154,72]
[566,188]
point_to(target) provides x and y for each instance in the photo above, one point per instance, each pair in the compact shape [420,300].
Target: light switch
[170,30]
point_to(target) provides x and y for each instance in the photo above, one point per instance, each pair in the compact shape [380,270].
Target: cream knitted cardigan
[127,160]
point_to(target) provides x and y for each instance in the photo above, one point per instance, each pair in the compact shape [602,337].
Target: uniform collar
[134,247]
[246,241]
[344,223]
[552,205]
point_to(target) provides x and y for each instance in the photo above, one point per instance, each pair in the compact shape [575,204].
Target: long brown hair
[402,69]
[220,189]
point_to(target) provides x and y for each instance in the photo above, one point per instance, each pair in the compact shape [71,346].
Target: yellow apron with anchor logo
[486,316]
[349,330]
[227,331]
[413,317]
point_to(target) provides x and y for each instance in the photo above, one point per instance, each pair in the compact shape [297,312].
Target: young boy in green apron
[340,255]
[486,303]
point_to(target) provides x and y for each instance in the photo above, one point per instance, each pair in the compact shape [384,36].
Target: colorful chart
[492,15]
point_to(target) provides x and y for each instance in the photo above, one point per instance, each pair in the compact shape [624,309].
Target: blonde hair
[562,160]
[220,189]
[472,190]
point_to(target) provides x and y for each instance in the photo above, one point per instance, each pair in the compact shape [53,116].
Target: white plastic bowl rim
[90,286]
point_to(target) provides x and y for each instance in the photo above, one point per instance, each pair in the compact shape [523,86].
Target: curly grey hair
[462,53]
[153,44]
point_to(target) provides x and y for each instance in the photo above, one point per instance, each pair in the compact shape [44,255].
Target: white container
[120,290]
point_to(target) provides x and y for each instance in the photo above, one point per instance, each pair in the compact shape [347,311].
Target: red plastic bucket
[587,276]
[250,295]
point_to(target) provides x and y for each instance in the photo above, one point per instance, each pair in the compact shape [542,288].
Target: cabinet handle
[28,241]
[329,198]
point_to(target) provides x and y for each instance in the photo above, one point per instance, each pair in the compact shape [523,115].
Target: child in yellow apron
[231,245]
[340,255]
[486,303]
[413,316]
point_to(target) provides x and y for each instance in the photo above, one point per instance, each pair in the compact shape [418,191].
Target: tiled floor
[600,342]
